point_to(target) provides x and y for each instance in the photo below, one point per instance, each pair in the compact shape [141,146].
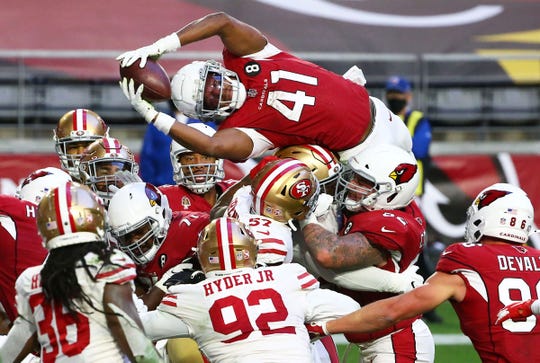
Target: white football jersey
[241,202]
[62,338]
[255,315]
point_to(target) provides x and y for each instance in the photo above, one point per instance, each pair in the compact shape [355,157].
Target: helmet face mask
[139,218]
[501,211]
[285,189]
[140,240]
[70,214]
[100,163]
[197,172]
[381,177]
[225,245]
[74,132]
[207,91]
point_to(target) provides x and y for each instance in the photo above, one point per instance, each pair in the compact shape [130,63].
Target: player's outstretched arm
[238,37]
[387,312]
[231,144]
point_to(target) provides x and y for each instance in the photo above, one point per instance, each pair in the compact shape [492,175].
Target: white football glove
[160,284]
[144,108]
[161,121]
[325,215]
[355,75]
[166,44]
[323,204]
[411,278]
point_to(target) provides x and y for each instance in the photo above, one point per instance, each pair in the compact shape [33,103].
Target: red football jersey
[20,246]
[401,233]
[182,199]
[178,245]
[291,101]
[496,275]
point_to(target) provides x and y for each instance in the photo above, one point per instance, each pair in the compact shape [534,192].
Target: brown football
[157,85]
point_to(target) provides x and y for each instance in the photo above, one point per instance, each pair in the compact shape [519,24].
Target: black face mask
[396,105]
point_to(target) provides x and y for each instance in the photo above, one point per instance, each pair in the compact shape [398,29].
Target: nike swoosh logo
[384,229]
[446,252]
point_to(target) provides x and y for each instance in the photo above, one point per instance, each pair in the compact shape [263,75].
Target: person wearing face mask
[399,99]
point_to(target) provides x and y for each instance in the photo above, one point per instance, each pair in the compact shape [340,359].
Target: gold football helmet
[101,161]
[76,130]
[284,189]
[70,214]
[323,163]
[225,245]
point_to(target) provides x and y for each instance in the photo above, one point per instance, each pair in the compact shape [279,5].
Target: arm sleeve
[18,335]
[260,143]
[324,304]
[372,279]
[158,325]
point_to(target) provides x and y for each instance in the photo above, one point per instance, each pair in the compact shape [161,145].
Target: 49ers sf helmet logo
[403,173]
[489,196]
[301,189]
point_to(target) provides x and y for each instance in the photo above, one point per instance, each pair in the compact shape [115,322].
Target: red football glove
[517,311]
[316,330]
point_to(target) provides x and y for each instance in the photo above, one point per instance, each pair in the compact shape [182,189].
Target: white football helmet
[101,161]
[193,85]
[380,177]
[199,178]
[139,218]
[284,189]
[79,126]
[502,211]
[36,185]
[70,214]
[323,163]
[225,245]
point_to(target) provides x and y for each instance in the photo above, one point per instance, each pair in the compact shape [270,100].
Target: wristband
[323,326]
[164,122]
[168,43]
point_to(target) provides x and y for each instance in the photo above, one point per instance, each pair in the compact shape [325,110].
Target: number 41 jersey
[291,101]
[496,275]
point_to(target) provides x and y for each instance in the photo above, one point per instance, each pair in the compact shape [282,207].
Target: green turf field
[444,353]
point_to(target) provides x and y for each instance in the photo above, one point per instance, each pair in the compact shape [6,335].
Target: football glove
[166,44]
[160,284]
[316,330]
[518,311]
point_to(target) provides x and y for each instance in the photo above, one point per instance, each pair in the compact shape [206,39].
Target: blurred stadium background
[475,69]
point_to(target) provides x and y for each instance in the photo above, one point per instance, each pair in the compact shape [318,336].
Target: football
[157,85]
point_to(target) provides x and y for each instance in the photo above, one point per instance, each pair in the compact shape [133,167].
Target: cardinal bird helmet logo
[489,197]
[403,173]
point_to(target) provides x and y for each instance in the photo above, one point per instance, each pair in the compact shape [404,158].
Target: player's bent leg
[184,350]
